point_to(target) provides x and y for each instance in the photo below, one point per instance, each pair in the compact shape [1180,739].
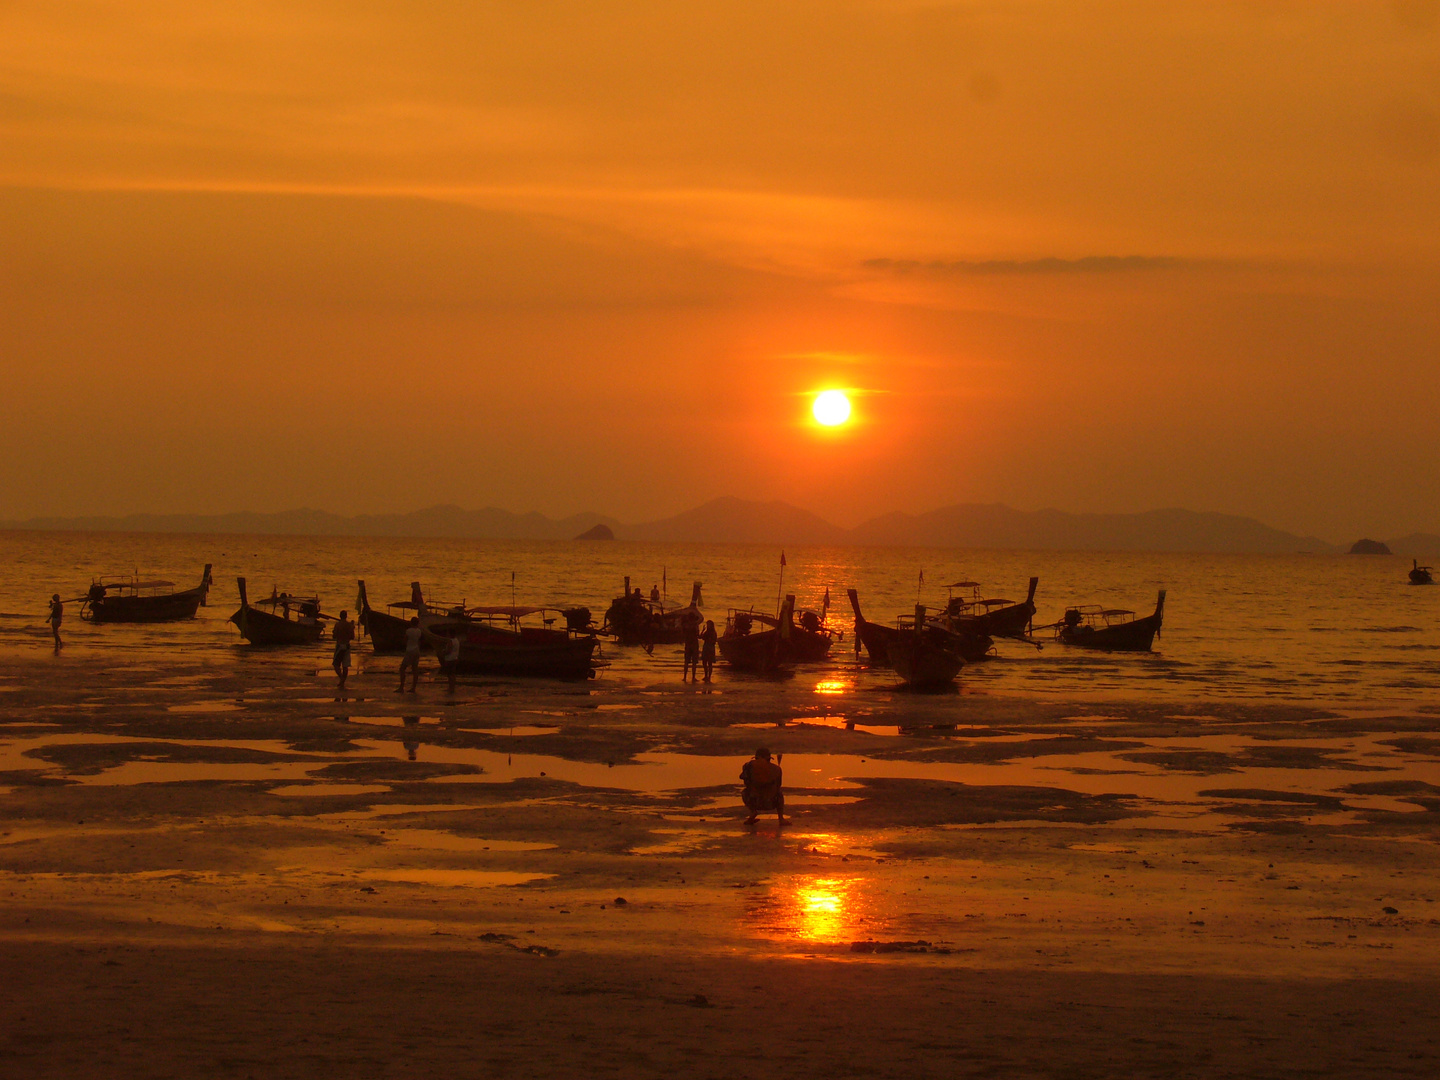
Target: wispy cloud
[1087,264]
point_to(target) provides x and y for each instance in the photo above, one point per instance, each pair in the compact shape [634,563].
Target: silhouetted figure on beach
[707,648]
[57,613]
[762,793]
[344,633]
[691,630]
[654,594]
[450,658]
[411,660]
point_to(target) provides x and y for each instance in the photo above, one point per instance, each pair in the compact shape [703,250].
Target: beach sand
[223,870]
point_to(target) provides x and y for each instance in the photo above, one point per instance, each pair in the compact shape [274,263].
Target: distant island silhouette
[733,520]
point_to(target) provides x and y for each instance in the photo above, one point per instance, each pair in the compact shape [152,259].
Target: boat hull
[386,631]
[767,650]
[541,654]
[923,665]
[1421,577]
[262,628]
[146,609]
[172,607]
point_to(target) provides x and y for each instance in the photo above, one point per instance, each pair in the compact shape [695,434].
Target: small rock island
[599,531]
[1369,547]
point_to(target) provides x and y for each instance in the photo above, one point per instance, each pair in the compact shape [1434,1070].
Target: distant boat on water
[1091,626]
[280,619]
[1420,575]
[131,600]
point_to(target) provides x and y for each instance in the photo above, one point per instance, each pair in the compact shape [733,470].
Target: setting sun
[831,408]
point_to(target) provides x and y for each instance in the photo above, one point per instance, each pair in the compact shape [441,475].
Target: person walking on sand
[57,613]
[762,792]
[411,659]
[691,629]
[344,633]
[707,648]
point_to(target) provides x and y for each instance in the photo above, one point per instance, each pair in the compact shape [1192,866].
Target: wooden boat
[995,616]
[1110,629]
[276,626]
[1420,575]
[497,641]
[386,629]
[633,620]
[924,655]
[968,640]
[131,600]
[755,641]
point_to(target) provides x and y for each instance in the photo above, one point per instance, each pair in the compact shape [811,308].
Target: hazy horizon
[1102,258]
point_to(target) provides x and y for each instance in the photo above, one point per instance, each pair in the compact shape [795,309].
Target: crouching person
[762,792]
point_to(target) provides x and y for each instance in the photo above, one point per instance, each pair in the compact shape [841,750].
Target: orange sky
[565,256]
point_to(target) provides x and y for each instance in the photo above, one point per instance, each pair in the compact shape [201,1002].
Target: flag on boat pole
[781,590]
[664,584]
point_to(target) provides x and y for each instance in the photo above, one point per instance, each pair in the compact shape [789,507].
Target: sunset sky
[569,256]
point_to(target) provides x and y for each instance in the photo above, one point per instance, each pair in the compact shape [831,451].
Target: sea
[1333,631]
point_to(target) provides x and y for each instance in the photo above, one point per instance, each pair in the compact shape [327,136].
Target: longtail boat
[386,629]
[924,655]
[1110,629]
[968,638]
[755,641]
[276,626]
[131,600]
[1420,575]
[634,620]
[994,616]
[497,640]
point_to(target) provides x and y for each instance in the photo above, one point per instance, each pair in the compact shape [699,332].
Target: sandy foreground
[219,869]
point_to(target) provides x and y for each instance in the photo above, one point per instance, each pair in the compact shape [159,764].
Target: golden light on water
[832,686]
[812,908]
[831,408]
[822,910]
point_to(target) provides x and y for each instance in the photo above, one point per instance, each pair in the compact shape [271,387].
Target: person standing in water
[762,792]
[691,630]
[707,648]
[57,613]
[344,633]
[411,659]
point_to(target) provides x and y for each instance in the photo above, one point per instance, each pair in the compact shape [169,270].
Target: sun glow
[831,408]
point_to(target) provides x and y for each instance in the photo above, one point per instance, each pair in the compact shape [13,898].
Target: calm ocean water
[1338,630]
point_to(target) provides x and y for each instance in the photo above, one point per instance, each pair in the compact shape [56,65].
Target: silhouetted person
[654,594]
[707,648]
[691,630]
[344,633]
[57,614]
[450,658]
[762,792]
[411,660]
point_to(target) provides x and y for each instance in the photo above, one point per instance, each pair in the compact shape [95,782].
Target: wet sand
[222,869]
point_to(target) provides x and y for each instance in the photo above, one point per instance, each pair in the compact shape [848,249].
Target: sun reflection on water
[834,686]
[816,909]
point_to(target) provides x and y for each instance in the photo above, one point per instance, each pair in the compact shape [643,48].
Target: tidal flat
[232,869]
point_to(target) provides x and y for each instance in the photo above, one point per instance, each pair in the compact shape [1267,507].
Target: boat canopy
[508,612]
[126,584]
